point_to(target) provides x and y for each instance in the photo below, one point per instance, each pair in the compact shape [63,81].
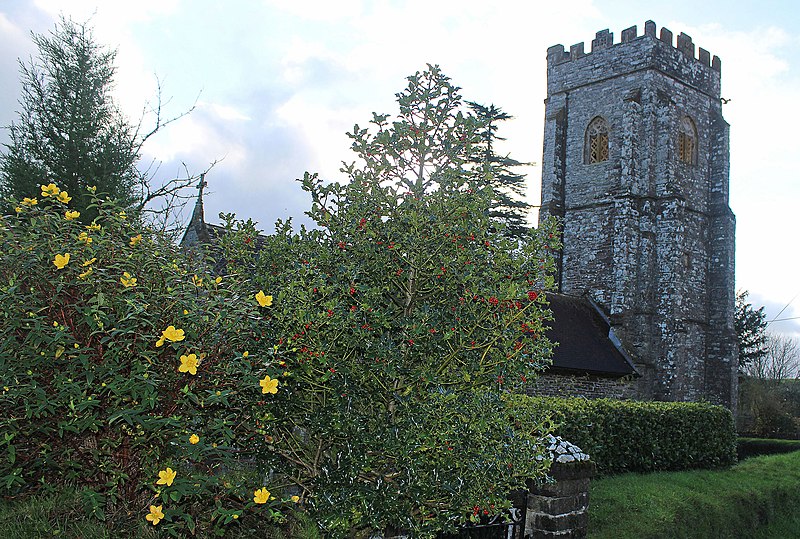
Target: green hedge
[632,436]
[753,447]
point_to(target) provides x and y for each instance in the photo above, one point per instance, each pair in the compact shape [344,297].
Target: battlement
[605,40]
[676,59]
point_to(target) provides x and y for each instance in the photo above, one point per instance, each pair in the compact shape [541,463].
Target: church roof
[586,341]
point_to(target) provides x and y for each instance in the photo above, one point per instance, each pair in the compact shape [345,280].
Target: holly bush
[123,373]
[400,321]
[359,369]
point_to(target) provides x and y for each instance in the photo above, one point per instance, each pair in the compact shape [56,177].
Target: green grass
[48,515]
[60,515]
[702,504]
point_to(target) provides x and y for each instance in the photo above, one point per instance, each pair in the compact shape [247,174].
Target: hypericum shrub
[124,372]
[634,436]
[399,323]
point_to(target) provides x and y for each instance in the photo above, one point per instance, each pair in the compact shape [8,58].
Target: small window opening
[687,142]
[597,141]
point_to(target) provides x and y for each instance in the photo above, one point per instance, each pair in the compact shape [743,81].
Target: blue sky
[278,83]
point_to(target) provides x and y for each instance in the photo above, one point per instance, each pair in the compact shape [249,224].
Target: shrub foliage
[402,320]
[357,369]
[122,371]
[632,436]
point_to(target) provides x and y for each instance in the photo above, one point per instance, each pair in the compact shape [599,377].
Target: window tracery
[596,145]
[687,142]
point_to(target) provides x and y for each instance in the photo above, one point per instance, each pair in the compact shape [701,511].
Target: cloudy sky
[278,83]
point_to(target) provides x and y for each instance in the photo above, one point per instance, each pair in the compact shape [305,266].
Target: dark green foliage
[751,330]
[769,408]
[400,322]
[69,130]
[508,201]
[744,502]
[633,436]
[752,447]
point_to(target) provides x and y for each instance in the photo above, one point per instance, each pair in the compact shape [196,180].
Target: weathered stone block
[559,523]
[558,505]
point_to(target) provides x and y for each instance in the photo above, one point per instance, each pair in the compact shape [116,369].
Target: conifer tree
[508,205]
[69,130]
[751,330]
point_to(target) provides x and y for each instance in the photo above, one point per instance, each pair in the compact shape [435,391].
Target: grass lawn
[52,515]
[61,515]
[758,495]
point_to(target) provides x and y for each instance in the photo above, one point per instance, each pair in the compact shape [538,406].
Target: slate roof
[586,342]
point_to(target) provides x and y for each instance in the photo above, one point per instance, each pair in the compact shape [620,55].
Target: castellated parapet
[635,54]
[636,167]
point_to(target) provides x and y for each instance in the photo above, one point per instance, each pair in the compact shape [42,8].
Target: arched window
[687,142]
[596,145]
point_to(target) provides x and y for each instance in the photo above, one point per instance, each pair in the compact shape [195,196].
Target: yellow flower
[94,227]
[295,499]
[218,280]
[64,197]
[122,215]
[166,477]
[197,281]
[261,495]
[135,240]
[70,215]
[127,281]
[92,188]
[89,262]
[18,209]
[245,353]
[171,334]
[83,236]
[29,201]
[61,260]
[156,515]
[268,385]
[263,300]
[50,190]
[193,439]
[85,274]
[188,364]
[185,311]
[235,516]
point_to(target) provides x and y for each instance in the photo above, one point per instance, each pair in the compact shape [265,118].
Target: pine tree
[508,205]
[69,130]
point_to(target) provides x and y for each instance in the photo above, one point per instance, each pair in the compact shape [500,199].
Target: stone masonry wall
[587,385]
[648,237]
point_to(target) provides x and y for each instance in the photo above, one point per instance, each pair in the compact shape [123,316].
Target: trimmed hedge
[753,447]
[633,436]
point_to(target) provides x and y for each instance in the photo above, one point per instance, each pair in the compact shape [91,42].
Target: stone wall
[648,237]
[587,385]
[560,509]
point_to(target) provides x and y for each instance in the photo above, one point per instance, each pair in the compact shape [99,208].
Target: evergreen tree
[508,205]
[69,131]
[751,330]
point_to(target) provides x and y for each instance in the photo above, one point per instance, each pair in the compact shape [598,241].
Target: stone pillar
[561,509]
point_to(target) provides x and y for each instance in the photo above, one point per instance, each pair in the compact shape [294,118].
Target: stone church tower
[635,167]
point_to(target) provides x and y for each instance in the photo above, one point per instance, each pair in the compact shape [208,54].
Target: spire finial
[198,217]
